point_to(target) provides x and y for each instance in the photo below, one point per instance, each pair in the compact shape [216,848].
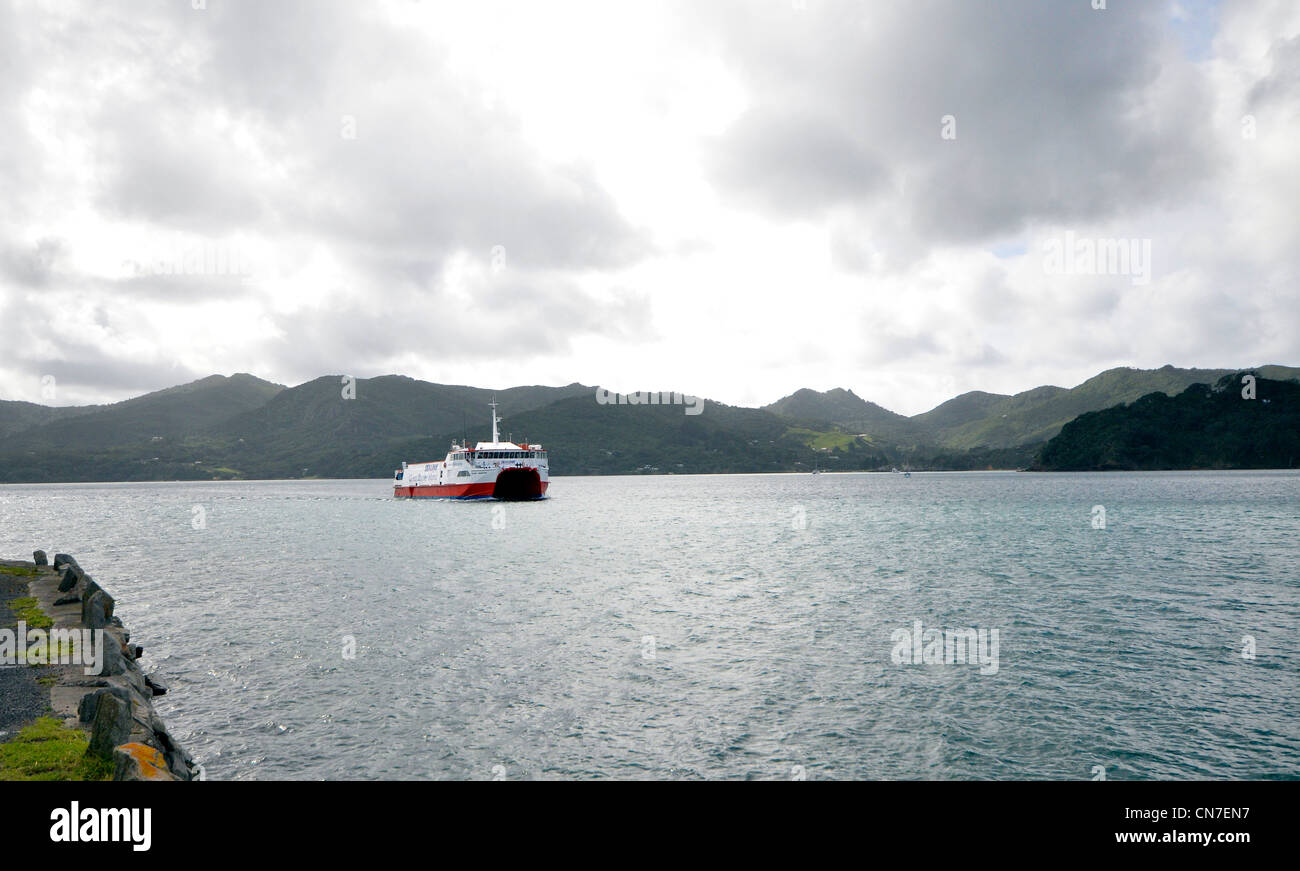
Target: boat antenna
[495,419]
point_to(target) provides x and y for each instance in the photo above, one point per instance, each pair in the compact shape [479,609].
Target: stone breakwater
[114,705]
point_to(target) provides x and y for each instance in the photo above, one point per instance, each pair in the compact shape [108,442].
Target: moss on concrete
[48,750]
[27,608]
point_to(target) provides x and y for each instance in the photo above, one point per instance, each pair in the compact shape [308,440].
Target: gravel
[22,699]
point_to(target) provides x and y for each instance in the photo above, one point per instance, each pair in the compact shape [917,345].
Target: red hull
[499,489]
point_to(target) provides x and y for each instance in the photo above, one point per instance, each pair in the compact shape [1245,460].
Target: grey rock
[67,600]
[135,762]
[180,763]
[96,609]
[155,685]
[85,588]
[86,709]
[63,559]
[71,574]
[115,661]
[132,677]
[111,725]
[40,558]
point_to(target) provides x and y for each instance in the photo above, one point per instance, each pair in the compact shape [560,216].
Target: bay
[680,627]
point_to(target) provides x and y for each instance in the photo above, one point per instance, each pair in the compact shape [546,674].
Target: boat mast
[495,419]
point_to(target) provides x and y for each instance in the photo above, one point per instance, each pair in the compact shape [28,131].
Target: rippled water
[686,627]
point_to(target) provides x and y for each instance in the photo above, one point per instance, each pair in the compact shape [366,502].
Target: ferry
[489,470]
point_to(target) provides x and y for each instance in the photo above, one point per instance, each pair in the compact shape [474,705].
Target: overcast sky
[735,199]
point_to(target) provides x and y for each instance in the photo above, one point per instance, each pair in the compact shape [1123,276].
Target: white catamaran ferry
[490,470]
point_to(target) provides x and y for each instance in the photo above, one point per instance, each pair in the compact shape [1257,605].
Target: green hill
[313,427]
[175,413]
[16,417]
[1037,415]
[958,411]
[995,421]
[842,409]
[1203,427]
[244,427]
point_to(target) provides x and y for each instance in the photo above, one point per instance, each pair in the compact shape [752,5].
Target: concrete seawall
[114,704]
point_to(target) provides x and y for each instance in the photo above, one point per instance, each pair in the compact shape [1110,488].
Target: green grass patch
[822,441]
[27,608]
[49,750]
[19,571]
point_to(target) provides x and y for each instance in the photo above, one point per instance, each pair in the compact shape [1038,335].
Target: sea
[969,626]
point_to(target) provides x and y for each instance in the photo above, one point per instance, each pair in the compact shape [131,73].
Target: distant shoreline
[387,481]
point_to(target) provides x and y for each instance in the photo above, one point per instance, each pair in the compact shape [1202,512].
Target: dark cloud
[496,318]
[87,368]
[1054,106]
[803,163]
[319,118]
[31,266]
[1282,84]
[162,164]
